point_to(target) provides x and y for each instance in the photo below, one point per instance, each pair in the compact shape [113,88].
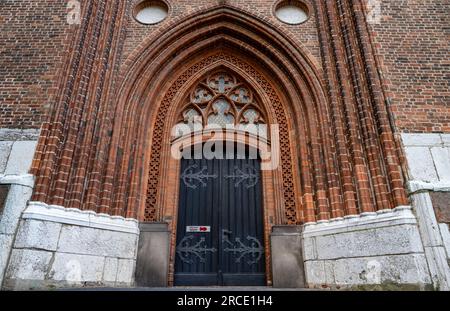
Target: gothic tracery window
[221,101]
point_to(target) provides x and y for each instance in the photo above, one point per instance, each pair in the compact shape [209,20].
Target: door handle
[226,234]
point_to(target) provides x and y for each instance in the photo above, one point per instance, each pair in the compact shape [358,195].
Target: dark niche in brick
[4,189]
[441,205]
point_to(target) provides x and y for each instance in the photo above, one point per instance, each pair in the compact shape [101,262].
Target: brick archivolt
[105,148]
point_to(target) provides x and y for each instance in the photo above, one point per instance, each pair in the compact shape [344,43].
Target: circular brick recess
[151,12]
[292,12]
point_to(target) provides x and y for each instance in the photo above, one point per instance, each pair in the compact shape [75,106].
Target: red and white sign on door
[198,229]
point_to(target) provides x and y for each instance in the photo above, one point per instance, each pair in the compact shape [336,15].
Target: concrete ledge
[416,186]
[426,140]
[19,180]
[399,216]
[19,134]
[70,216]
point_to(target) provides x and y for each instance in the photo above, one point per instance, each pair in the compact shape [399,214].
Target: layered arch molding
[316,179]
[282,75]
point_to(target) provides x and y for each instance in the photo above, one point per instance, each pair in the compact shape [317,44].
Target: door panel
[197,252]
[225,196]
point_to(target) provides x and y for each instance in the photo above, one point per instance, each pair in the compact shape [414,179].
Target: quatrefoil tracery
[221,99]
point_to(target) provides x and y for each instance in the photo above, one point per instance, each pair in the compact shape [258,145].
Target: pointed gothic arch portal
[337,153]
[284,93]
[220,134]
[319,177]
[228,102]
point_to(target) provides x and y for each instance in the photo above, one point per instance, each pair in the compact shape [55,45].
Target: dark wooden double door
[220,234]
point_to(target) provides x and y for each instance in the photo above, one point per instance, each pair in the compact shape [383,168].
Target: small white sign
[198,229]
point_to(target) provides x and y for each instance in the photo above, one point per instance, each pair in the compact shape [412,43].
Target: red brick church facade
[359,92]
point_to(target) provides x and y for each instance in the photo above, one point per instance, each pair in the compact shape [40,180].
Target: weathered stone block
[38,234]
[398,269]
[21,157]
[16,202]
[439,267]
[5,248]
[110,270]
[315,273]
[445,232]
[28,264]
[441,157]
[421,164]
[125,273]
[73,268]
[446,139]
[374,242]
[16,134]
[309,248]
[421,140]
[4,190]
[429,227]
[409,269]
[96,242]
[5,150]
